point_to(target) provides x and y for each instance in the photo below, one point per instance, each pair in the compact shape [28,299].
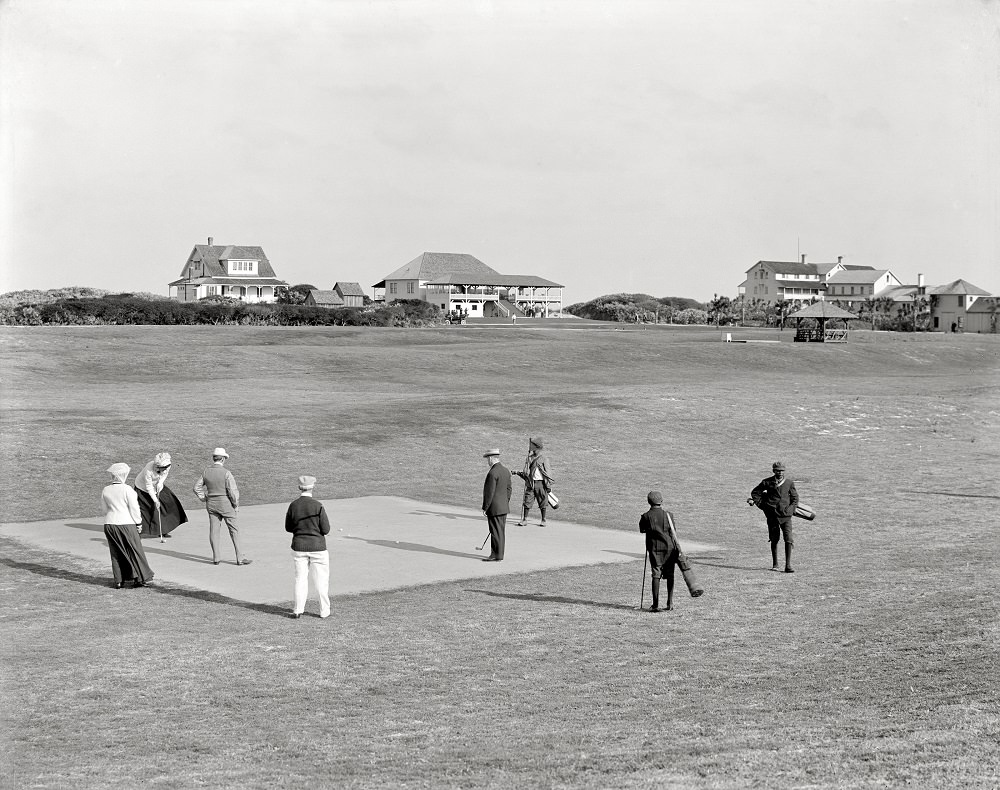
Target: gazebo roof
[823,310]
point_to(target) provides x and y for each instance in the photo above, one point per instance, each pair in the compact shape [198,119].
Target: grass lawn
[873,666]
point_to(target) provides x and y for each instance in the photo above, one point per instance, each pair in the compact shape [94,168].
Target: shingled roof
[433,265]
[519,280]
[349,289]
[857,275]
[326,298]
[959,287]
[212,255]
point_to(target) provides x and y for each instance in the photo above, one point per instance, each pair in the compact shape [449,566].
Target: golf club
[645,561]
[480,548]
[159,524]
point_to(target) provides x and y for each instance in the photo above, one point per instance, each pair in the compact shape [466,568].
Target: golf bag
[804,511]
[687,572]
[553,500]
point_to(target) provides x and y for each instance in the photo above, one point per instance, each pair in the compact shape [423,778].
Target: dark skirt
[128,559]
[171,516]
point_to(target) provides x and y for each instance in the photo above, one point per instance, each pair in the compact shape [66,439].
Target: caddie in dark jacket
[777,497]
[496,503]
[661,546]
[307,521]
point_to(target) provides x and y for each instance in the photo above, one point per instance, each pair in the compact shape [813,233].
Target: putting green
[375,543]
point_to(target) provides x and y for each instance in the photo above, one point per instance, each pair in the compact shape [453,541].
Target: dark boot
[656,596]
[774,557]
[788,559]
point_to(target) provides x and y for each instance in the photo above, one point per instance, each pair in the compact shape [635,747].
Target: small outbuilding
[317,298]
[352,294]
[822,312]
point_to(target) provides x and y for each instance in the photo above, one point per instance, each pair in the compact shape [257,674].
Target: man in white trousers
[306,520]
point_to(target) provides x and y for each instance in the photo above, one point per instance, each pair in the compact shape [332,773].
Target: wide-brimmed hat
[162,459]
[777,465]
[220,451]
[536,441]
[654,498]
[306,482]
[119,471]
[493,451]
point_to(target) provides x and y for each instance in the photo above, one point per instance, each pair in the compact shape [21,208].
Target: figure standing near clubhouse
[777,497]
[497,489]
[538,479]
[162,512]
[122,524]
[217,489]
[661,547]
[306,519]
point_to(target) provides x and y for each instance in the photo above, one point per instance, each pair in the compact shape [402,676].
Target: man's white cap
[220,451]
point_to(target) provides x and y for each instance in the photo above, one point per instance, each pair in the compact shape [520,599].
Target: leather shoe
[789,570]
[216,562]
[490,559]
[244,562]
[296,615]
[654,609]
[118,585]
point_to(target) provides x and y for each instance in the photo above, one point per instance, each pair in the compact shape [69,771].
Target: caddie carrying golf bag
[687,572]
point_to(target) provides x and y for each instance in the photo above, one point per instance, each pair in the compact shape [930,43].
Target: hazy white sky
[660,147]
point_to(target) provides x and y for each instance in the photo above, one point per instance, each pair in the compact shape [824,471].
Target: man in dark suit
[496,503]
[777,497]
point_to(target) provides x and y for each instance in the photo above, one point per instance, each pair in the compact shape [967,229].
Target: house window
[475,307]
[211,290]
[409,288]
[392,288]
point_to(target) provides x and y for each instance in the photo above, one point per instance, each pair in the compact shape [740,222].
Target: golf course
[873,666]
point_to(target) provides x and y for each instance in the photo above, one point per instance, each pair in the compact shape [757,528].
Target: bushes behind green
[112,309]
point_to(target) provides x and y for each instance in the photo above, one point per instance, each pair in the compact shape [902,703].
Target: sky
[660,147]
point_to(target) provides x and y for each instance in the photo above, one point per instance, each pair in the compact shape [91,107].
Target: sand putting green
[376,543]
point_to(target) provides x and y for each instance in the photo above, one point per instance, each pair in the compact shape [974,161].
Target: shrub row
[115,309]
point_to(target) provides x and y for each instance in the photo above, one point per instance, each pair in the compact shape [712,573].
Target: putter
[642,595]
[480,548]
[159,524]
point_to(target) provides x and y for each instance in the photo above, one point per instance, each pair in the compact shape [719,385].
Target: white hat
[220,451]
[162,459]
[306,482]
[493,451]
[119,471]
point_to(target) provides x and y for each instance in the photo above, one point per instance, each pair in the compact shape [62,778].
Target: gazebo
[822,312]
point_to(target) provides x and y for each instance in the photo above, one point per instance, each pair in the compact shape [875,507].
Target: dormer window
[242,267]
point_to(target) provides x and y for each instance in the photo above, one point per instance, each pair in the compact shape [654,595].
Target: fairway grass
[873,666]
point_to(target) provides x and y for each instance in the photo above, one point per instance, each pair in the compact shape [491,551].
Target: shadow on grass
[157,587]
[443,514]
[146,546]
[950,493]
[404,546]
[554,599]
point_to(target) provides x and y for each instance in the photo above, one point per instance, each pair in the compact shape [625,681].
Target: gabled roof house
[318,298]
[351,293]
[795,281]
[458,281]
[851,286]
[239,272]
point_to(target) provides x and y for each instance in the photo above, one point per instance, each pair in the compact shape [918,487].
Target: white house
[456,281]
[794,281]
[239,272]
[852,285]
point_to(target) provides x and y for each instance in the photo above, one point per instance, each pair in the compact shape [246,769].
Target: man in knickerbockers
[538,479]
[217,489]
[661,546]
[777,497]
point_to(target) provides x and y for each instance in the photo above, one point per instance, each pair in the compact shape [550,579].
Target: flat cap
[654,498]
[778,465]
[306,482]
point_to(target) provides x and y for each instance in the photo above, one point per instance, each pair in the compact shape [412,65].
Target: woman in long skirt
[159,506]
[121,527]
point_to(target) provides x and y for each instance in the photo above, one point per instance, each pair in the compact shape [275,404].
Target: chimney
[803,257]
[840,259]
[920,281]
[210,240]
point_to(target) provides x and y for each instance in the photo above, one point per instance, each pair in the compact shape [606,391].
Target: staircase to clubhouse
[511,308]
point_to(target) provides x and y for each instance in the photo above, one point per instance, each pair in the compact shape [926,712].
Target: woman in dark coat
[161,509]
[121,527]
